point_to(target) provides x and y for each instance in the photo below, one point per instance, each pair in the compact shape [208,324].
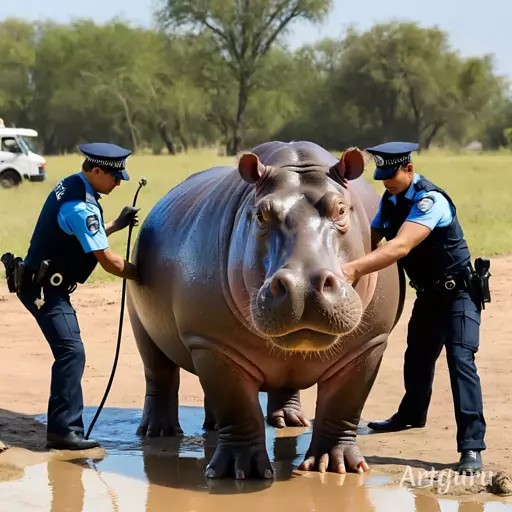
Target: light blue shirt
[83,220]
[431,209]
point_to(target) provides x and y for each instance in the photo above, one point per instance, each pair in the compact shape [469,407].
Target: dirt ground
[26,361]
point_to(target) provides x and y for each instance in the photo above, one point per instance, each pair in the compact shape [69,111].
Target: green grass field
[480,185]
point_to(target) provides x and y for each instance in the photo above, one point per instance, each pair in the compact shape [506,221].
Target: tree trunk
[183,139]
[129,121]
[243,96]
[433,132]
[49,145]
[166,137]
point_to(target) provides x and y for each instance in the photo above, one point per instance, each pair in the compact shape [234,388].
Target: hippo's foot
[335,456]
[242,461]
[284,409]
[288,417]
[159,418]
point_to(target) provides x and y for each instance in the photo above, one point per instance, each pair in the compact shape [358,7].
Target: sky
[475,27]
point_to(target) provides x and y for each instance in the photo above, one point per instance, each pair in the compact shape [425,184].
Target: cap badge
[379,161]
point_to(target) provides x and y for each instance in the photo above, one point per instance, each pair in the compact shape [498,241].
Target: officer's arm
[428,212]
[127,216]
[110,228]
[116,265]
[409,236]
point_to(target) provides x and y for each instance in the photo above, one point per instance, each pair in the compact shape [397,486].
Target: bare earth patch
[25,378]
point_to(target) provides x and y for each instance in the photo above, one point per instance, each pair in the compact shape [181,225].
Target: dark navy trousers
[58,322]
[452,321]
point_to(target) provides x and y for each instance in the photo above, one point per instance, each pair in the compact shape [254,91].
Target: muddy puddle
[168,475]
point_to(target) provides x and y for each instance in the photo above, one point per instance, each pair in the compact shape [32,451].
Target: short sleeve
[84,221]
[377,220]
[431,209]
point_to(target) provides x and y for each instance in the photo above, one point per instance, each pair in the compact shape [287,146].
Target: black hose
[142,183]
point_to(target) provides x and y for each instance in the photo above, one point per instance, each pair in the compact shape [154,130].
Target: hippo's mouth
[305,340]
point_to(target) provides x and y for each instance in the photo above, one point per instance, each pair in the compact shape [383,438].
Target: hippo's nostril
[326,282]
[280,285]
[329,283]
[277,288]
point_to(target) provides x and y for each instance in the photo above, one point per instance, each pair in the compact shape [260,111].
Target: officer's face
[104,182]
[400,181]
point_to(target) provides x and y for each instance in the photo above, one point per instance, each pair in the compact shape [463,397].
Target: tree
[244,31]
[408,80]
[17,56]
[507,133]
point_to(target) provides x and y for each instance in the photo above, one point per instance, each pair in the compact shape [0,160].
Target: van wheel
[9,179]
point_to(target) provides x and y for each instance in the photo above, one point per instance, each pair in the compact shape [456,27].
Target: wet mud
[133,474]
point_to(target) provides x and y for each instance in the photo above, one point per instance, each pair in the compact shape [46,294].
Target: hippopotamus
[241,284]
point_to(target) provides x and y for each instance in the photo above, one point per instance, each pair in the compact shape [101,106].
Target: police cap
[109,157]
[390,156]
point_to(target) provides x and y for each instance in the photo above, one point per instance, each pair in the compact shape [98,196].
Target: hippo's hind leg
[160,415]
[284,409]
[210,423]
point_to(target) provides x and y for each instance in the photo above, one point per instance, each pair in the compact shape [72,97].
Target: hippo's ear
[250,167]
[350,166]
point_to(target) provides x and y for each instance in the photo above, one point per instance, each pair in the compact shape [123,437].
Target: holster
[14,271]
[477,281]
[483,274]
[18,275]
[8,260]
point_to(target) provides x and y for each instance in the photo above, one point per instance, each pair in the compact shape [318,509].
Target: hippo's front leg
[341,398]
[232,393]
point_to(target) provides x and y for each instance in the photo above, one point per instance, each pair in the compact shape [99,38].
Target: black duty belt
[474,280]
[445,284]
[49,278]
[57,281]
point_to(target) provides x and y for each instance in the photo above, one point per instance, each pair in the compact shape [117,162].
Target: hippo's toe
[288,417]
[284,409]
[334,456]
[242,462]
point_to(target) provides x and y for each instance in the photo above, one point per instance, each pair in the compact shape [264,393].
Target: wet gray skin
[242,285]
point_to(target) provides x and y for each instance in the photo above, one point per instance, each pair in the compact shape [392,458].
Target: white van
[17,160]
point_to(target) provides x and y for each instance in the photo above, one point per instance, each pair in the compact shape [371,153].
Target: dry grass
[480,185]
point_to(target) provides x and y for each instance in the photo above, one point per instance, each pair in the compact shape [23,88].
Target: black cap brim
[385,173]
[120,175]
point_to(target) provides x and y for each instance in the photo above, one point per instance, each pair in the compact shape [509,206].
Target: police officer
[69,239]
[419,222]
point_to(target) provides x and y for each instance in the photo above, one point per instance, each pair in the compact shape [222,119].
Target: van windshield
[24,142]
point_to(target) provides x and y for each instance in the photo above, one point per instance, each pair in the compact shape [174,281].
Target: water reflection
[168,474]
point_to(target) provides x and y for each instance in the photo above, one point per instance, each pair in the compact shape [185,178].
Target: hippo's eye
[339,210]
[259,215]
[340,217]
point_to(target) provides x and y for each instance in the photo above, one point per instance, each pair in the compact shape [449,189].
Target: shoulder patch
[59,190]
[425,203]
[93,223]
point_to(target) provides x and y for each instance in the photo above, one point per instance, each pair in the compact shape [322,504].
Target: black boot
[70,441]
[470,462]
[394,424]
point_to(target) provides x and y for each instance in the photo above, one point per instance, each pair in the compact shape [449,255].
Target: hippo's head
[296,231]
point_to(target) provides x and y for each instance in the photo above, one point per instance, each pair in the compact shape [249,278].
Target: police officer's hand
[350,273]
[127,216]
